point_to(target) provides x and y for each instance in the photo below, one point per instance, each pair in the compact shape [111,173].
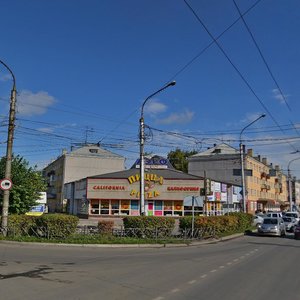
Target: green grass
[96,239]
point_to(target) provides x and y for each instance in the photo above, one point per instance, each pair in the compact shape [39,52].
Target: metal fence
[121,232]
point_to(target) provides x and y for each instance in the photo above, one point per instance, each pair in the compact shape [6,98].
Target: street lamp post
[142,142]
[9,146]
[290,183]
[242,162]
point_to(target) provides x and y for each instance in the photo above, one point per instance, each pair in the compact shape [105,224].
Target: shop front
[117,194]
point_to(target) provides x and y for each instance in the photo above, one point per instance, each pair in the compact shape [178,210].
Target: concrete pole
[9,148]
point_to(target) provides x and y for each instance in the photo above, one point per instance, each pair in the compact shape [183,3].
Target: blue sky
[83,69]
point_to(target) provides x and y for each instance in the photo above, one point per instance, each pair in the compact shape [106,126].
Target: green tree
[178,159]
[27,184]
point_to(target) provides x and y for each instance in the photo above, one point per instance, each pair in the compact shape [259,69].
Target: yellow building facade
[267,187]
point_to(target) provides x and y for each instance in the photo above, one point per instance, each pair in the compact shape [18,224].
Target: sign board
[37,210]
[5,184]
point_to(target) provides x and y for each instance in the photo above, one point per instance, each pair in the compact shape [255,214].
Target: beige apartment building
[88,160]
[266,185]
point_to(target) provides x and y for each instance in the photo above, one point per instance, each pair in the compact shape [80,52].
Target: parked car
[297,231]
[292,214]
[272,226]
[276,214]
[257,220]
[289,223]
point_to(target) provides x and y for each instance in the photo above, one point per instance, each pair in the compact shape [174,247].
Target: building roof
[165,173]
[223,148]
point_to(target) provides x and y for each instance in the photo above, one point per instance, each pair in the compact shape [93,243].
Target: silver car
[272,226]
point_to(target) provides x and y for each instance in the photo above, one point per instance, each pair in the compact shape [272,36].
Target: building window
[104,207]
[95,207]
[115,207]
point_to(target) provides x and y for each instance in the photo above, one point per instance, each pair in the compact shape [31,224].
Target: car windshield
[270,221]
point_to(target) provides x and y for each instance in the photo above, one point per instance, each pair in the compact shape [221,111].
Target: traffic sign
[5,184]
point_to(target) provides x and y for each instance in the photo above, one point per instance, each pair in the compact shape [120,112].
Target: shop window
[125,205]
[104,207]
[158,208]
[134,208]
[168,208]
[95,207]
[188,211]
[115,207]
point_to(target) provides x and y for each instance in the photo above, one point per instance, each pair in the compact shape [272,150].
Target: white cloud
[30,103]
[5,77]
[280,97]
[155,107]
[46,130]
[177,118]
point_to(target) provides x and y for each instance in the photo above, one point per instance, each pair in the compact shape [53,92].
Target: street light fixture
[242,162]
[10,137]
[290,183]
[142,142]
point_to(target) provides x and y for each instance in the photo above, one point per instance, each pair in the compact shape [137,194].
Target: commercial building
[168,192]
[80,162]
[266,186]
[118,193]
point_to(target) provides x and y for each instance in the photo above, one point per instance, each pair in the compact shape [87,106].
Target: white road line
[192,281]
[203,276]
[222,267]
[175,290]
[236,259]
[242,257]
[212,271]
[159,298]
[229,263]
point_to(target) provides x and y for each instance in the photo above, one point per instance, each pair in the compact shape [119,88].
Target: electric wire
[233,65]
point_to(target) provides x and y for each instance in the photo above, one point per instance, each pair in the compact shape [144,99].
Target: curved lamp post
[290,183]
[10,137]
[142,142]
[242,162]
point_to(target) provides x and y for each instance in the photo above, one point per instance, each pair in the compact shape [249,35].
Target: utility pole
[9,147]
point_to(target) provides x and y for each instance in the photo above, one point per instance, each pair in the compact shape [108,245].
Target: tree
[178,159]
[27,185]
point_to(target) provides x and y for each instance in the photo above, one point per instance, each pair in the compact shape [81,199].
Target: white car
[274,214]
[257,220]
[289,223]
[292,214]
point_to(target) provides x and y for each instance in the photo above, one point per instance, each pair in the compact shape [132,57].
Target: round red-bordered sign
[5,184]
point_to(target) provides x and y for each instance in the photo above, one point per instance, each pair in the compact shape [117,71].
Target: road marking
[236,259]
[192,281]
[242,257]
[213,271]
[159,298]
[222,267]
[175,290]
[203,276]
[229,263]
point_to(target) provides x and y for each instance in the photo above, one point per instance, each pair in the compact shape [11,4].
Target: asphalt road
[248,267]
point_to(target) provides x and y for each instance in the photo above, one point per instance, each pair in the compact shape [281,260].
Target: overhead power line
[234,66]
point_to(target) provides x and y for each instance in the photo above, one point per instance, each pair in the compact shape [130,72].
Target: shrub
[150,226]
[105,227]
[58,225]
[235,222]
[20,225]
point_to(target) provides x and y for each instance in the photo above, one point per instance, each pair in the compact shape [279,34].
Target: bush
[58,225]
[47,225]
[235,222]
[105,227]
[20,225]
[149,226]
